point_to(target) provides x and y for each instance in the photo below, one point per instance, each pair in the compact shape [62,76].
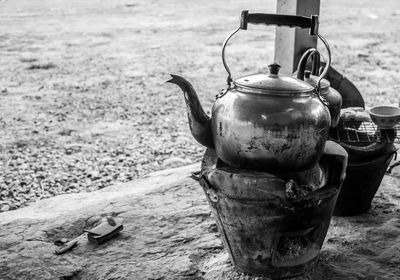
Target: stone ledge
[170,234]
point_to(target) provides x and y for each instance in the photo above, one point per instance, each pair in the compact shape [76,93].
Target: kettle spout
[199,122]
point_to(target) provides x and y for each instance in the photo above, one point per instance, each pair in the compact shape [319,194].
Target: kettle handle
[301,67]
[269,19]
[327,65]
[315,67]
[280,20]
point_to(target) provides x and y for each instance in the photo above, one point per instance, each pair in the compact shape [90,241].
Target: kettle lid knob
[274,68]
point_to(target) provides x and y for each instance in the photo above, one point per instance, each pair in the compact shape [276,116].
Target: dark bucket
[365,170]
[265,231]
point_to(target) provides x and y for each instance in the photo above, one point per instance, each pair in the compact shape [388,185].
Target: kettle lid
[272,83]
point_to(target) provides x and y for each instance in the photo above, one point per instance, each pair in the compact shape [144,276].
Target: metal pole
[291,43]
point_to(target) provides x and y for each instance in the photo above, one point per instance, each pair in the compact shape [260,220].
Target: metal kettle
[264,121]
[329,95]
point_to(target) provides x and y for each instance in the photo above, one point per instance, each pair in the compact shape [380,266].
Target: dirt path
[82,95]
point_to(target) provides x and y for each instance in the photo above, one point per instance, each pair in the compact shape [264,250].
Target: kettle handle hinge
[221,93]
[320,97]
[224,91]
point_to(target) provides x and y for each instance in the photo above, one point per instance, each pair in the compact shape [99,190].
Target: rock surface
[169,234]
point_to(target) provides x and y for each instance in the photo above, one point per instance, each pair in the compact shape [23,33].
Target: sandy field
[84,103]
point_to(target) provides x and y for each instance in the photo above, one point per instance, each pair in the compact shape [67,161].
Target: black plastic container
[367,164]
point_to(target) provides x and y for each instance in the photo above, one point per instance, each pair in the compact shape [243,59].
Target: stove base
[271,227]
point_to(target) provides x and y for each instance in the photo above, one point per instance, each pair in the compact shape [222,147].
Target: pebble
[5,208]
[174,162]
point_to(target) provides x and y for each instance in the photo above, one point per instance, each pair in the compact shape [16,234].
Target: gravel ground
[83,99]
